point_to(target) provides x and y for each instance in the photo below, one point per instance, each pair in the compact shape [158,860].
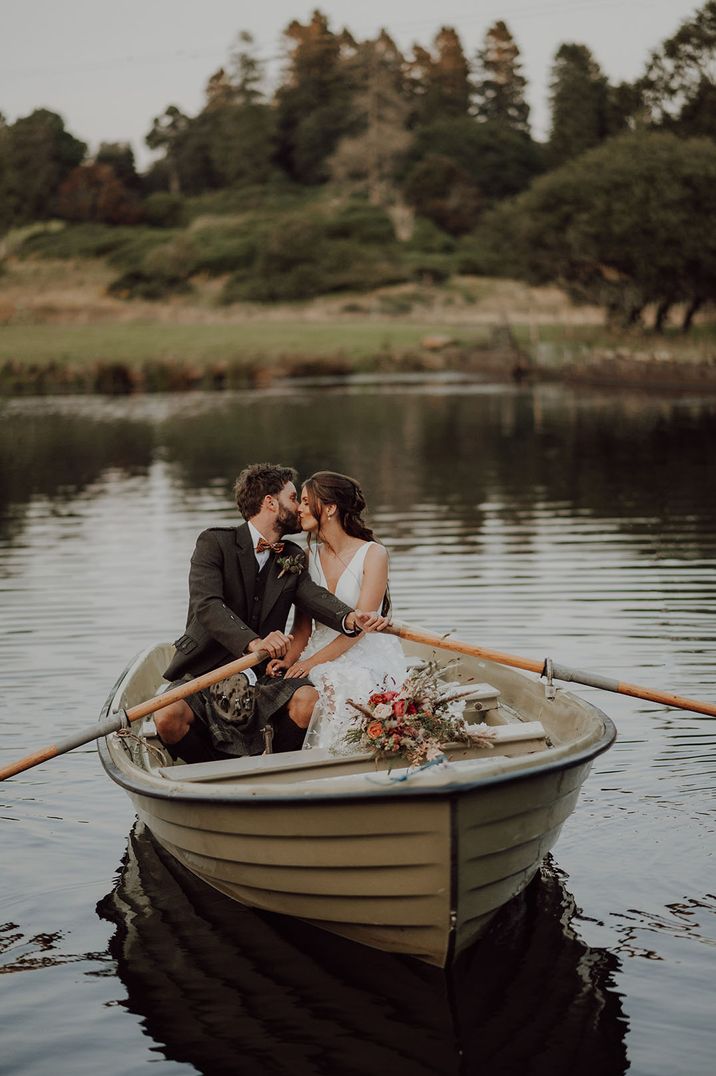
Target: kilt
[235,713]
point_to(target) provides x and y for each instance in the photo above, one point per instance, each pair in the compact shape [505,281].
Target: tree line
[613,205]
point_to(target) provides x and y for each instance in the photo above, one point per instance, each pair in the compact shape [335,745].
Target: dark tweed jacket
[221,592]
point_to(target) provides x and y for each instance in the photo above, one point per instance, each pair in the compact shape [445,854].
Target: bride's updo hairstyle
[329,487]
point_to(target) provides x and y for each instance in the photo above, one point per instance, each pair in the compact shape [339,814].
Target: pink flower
[382,711]
[379,697]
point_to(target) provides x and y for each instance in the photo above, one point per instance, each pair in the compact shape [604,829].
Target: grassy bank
[135,356]
[162,356]
[61,332]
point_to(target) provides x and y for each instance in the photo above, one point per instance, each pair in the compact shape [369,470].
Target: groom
[243,582]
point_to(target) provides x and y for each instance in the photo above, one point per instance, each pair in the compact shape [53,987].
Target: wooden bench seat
[516,738]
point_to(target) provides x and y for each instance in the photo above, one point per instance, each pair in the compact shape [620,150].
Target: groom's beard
[288,521]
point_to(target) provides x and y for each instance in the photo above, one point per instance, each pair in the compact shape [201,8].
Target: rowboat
[413,860]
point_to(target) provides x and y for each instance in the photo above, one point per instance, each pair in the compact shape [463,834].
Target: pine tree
[440,79]
[579,97]
[167,133]
[239,124]
[500,86]
[313,104]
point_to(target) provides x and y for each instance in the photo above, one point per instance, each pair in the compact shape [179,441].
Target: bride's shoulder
[376,554]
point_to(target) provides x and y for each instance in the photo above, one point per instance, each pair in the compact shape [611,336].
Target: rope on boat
[437,761]
[142,741]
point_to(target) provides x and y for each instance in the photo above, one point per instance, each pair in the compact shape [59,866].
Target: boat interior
[521,720]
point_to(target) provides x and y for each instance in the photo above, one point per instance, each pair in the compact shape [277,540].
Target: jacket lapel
[247,561]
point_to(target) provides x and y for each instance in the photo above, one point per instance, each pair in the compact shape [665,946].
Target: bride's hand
[370,621]
[298,669]
[276,667]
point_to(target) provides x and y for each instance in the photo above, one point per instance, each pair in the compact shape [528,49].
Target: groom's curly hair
[258,481]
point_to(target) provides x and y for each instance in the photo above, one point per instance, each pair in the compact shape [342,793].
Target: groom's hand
[367,621]
[275,644]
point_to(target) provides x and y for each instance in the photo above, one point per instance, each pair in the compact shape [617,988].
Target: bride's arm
[373,587]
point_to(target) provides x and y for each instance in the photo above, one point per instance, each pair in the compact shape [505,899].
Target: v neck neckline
[345,569]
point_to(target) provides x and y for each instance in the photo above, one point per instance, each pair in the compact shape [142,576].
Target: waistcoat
[258,597]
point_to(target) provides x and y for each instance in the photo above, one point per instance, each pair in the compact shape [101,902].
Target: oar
[551,670]
[120,718]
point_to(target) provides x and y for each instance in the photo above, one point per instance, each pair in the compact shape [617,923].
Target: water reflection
[60,454]
[229,990]
[646,464]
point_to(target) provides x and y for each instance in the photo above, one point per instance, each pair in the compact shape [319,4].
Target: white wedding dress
[374,662]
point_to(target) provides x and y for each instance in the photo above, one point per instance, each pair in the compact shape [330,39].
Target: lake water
[537,521]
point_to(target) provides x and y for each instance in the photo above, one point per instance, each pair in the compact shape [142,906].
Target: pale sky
[109,66]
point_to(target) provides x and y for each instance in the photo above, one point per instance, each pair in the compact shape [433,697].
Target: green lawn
[698,344]
[251,341]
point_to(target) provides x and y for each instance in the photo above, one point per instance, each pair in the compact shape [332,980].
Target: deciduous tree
[7,194]
[41,154]
[92,192]
[442,191]
[624,225]
[368,159]
[120,157]
[500,160]
[679,85]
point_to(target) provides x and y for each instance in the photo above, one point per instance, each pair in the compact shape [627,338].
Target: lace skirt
[375,662]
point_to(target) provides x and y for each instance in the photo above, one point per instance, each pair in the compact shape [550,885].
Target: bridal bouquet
[415,720]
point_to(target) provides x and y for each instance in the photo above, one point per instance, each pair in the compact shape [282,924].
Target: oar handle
[117,721]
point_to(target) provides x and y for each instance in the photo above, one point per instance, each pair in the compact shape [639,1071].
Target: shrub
[298,260]
[138,284]
[137,243]
[122,246]
[362,222]
[428,237]
[217,252]
[73,241]
[428,268]
[173,260]
[442,191]
[164,210]
[92,192]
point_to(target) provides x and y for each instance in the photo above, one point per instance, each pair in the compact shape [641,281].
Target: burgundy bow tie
[262,545]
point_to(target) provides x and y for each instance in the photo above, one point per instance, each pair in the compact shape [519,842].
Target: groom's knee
[301,705]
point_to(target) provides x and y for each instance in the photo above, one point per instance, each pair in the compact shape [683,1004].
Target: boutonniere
[291,564]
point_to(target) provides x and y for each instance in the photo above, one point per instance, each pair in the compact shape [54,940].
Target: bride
[344,557]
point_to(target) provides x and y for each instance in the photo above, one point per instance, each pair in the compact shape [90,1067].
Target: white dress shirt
[261,558]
